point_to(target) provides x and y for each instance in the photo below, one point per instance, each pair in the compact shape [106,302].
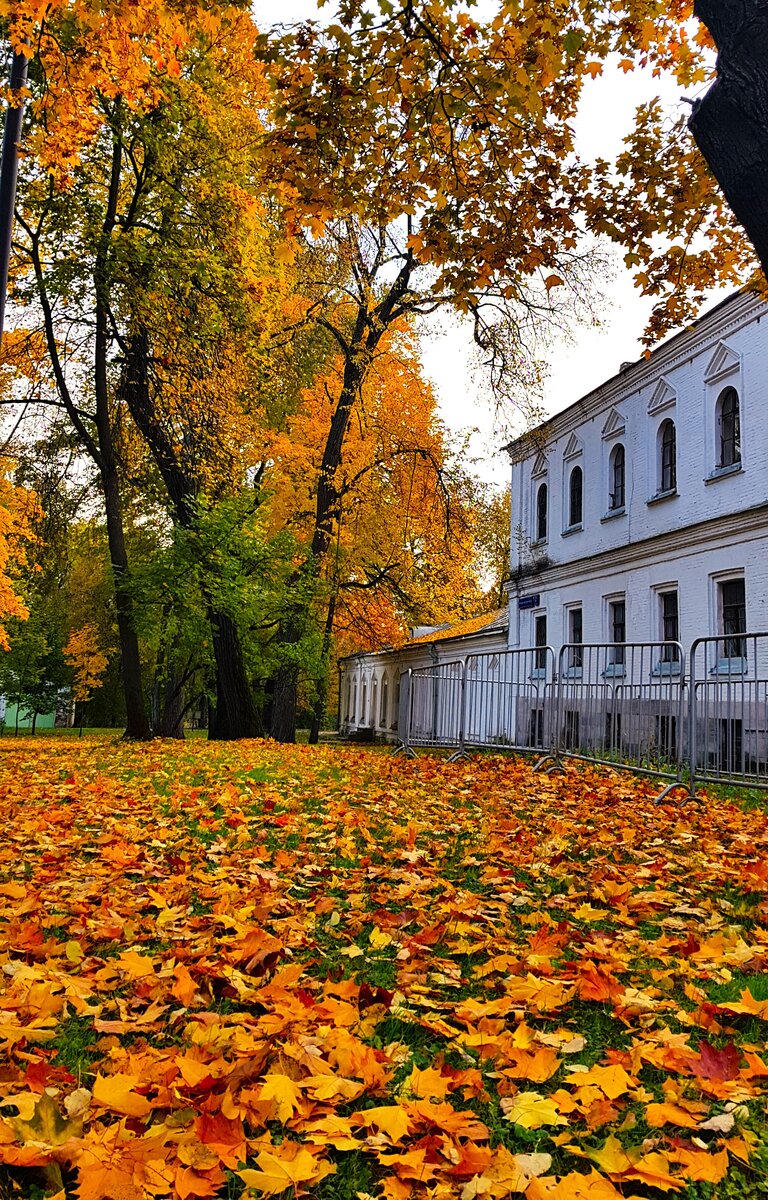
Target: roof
[485,623]
[628,367]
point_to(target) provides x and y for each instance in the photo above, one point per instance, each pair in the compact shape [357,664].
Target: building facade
[639,515]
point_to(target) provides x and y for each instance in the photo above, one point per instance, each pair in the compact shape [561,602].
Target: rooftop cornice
[731,314]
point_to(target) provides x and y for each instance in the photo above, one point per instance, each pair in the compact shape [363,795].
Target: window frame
[576,655]
[669,654]
[540,647]
[618,653]
[575,521]
[542,512]
[734,645]
[728,459]
[617,468]
[667,457]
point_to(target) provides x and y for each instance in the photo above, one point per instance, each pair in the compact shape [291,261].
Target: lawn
[247,970]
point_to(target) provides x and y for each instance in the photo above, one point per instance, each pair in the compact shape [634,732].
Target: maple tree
[140,145]
[403,546]
[433,152]
[303,971]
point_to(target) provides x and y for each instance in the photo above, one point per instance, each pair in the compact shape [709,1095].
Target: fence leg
[461,752]
[406,751]
[671,787]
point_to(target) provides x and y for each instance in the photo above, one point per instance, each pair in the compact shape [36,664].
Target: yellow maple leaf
[613,1080]
[285,1094]
[276,1174]
[390,1119]
[117,1093]
[532,1110]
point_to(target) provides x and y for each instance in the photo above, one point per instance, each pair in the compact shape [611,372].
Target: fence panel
[728,733]
[435,705]
[623,704]
[508,700]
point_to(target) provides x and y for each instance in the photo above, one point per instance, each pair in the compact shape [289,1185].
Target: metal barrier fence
[620,704]
[728,723]
[508,700]
[623,704]
[629,705]
[432,705]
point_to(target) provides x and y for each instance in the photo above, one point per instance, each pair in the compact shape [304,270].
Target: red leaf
[717,1064]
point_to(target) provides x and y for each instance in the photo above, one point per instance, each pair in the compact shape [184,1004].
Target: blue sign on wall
[528,601]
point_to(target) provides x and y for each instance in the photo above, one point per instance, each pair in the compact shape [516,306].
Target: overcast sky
[591,354]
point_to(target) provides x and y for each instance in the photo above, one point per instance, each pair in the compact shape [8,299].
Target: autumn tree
[402,547]
[152,287]
[434,151]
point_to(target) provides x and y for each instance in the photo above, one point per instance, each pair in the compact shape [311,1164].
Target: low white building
[639,514]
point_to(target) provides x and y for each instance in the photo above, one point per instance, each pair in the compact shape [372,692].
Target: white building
[639,514]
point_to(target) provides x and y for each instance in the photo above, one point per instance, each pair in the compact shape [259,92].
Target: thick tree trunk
[172,709]
[136,722]
[286,683]
[235,714]
[321,702]
[730,123]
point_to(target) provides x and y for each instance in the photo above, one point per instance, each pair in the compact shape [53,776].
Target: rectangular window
[733,617]
[571,729]
[670,625]
[575,637]
[540,641]
[613,731]
[536,728]
[666,737]
[617,612]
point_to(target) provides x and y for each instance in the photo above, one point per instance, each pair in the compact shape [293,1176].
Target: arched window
[575,496]
[384,701]
[363,703]
[667,457]
[541,513]
[374,698]
[728,428]
[353,714]
[617,478]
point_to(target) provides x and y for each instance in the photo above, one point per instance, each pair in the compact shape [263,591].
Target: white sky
[592,353]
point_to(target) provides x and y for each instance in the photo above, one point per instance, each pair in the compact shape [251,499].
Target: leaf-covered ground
[249,969]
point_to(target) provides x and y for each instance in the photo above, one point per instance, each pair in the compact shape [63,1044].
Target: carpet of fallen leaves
[253,970]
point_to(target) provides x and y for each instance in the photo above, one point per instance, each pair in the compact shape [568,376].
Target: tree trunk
[319,707]
[326,513]
[730,123]
[170,723]
[234,715]
[136,722]
[286,683]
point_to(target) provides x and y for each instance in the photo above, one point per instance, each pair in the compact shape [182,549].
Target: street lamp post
[9,169]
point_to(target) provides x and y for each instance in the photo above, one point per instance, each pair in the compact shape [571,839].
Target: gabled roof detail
[663,396]
[722,362]
[540,465]
[574,447]
[615,425]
